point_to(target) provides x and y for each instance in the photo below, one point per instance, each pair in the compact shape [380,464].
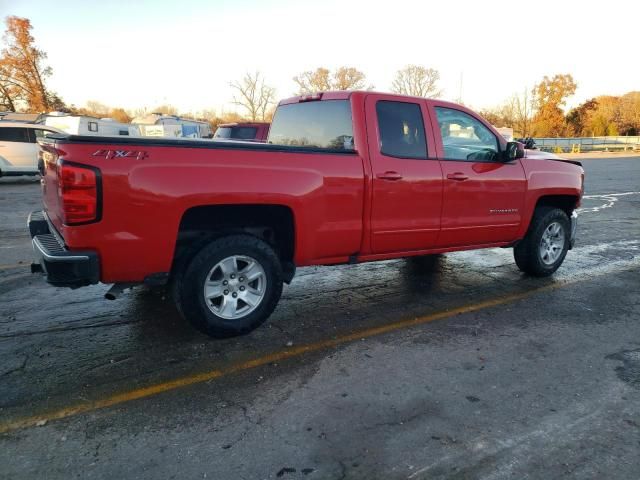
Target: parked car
[248,131]
[345,177]
[18,147]
[528,142]
[20,117]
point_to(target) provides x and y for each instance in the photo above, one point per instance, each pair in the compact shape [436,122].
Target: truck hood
[540,155]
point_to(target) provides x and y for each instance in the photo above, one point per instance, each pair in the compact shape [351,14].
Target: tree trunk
[8,101]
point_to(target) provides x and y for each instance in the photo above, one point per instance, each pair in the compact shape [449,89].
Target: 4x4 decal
[108,154]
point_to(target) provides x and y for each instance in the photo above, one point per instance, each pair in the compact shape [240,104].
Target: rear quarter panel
[144,201]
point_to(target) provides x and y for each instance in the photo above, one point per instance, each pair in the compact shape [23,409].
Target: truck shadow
[81,342]
[422,274]
[159,320]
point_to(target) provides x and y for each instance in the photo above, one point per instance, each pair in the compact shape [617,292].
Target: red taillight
[78,191]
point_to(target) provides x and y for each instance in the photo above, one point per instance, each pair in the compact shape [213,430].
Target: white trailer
[92,126]
[506,132]
[190,128]
[160,130]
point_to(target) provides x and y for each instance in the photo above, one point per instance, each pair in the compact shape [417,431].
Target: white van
[86,125]
[18,147]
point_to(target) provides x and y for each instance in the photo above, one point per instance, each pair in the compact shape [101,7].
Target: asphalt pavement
[455,366]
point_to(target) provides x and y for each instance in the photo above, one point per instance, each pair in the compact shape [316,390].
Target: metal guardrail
[588,144]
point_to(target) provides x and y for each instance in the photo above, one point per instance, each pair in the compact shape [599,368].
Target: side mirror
[514,151]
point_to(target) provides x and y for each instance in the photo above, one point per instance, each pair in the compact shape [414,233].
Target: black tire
[527,252]
[188,285]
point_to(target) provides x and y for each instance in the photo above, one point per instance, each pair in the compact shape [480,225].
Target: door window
[401,129]
[465,137]
[13,134]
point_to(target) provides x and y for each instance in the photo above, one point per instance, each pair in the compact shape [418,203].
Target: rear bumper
[62,267]
[574,228]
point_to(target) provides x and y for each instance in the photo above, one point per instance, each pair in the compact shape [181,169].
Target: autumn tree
[317,80]
[216,118]
[166,109]
[522,107]
[629,114]
[120,115]
[515,112]
[349,78]
[417,81]
[550,95]
[501,115]
[9,93]
[577,117]
[321,80]
[23,71]
[254,96]
[96,109]
[603,119]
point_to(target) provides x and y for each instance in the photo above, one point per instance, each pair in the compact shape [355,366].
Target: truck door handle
[393,176]
[459,176]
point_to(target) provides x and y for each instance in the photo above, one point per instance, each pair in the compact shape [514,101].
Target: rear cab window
[314,124]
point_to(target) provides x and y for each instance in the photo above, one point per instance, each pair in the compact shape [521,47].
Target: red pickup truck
[345,177]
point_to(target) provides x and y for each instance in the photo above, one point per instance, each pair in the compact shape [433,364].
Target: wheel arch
[273,223]
[567,202]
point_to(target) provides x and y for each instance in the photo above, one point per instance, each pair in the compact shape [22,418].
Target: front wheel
[231,286]
[543,249]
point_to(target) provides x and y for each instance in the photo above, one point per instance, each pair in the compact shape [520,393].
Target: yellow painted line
[278,356]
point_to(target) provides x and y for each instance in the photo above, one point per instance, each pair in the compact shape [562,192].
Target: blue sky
[145,53]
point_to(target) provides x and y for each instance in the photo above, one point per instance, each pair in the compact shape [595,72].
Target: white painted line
[609,200]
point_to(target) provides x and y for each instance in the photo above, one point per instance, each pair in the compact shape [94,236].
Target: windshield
[318,124]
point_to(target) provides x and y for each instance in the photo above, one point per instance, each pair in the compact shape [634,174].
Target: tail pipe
[116,290]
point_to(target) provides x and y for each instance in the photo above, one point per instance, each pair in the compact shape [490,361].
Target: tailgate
[47,164]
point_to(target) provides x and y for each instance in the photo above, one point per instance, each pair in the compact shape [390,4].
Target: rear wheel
[545,246]
[231,286]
